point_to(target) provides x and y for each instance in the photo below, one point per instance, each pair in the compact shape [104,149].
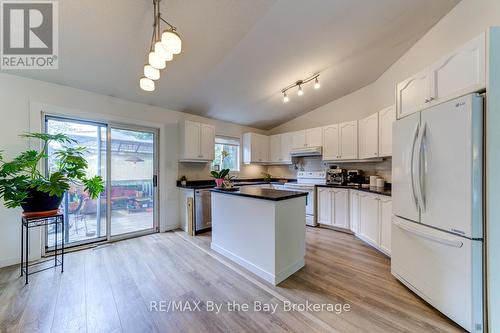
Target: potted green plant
[219,176]
[23,185]
[183,180]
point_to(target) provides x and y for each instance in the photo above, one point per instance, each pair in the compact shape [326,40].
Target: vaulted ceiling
[238,54]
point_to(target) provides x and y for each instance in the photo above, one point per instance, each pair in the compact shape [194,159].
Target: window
[232,159]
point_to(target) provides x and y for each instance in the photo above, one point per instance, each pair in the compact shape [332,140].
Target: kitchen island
[260,229]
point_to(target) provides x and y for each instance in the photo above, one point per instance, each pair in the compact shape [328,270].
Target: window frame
[237,143]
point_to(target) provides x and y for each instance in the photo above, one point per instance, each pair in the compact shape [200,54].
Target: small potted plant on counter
[183,180]
[219,176]
[23,185]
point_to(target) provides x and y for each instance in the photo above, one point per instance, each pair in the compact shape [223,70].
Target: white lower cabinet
[374,218]
[333,207]
[369,217]
[354,210]
[385,211]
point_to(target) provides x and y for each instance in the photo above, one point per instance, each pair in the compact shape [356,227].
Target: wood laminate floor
[113,288]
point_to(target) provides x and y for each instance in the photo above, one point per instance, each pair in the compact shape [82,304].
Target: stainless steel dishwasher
[203,209]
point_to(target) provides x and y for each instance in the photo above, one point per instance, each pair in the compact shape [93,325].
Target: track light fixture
[162,48]
[299,84]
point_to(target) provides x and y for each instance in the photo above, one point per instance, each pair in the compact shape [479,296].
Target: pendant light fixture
[162,48]
[299,84]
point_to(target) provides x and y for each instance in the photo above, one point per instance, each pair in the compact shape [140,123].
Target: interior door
[133,186]
[405,132]
[450,153]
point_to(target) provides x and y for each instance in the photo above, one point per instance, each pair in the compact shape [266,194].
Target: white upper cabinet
[340,141]
[197,142]
[286,146]
[385,119]
[413,94]
[331,145]
[314,137]
[368,137]
[207,142]
[299,139]
[279,148]
[275,148]
[348,133]
[255,148]
[460,72]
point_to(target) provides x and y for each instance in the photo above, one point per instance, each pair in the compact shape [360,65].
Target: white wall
[18,95]
[467,20]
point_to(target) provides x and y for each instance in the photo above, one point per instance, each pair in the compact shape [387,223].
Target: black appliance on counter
[355,177]
[336,176]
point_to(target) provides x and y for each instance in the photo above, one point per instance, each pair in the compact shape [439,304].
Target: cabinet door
[299,139]
[385,223]
[207,143]
[460,72]
[192,140]
[369,217]
[413,94]
[324,206]
[348,134]
[331,142]
[385,119]
[314,137]
[275,148]
[340,208]
[263,150]
[286,146]
[368,136]
[354,210]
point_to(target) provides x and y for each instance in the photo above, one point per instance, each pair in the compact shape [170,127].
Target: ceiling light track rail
[299,84]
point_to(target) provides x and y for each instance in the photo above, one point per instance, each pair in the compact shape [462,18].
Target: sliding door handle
[155,181]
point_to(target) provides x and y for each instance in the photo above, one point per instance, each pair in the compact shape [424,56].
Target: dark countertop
[204,184]
[263,193]
[376,190]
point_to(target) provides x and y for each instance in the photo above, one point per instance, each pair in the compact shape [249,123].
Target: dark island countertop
[376,190]
[263,193]
[204,184]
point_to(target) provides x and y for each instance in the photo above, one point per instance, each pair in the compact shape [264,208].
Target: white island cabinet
[261,229]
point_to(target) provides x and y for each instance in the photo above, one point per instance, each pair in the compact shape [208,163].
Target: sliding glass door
[126,158]
[133,181]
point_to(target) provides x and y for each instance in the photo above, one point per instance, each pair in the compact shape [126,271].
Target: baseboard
[269,277]
[289,271]
[9,262]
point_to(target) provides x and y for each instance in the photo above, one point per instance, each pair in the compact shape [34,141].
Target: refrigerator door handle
[412,168]
[418,167]
[423,234]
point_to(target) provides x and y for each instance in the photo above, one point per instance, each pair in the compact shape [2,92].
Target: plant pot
[40,202]
[219,181]
[183,182]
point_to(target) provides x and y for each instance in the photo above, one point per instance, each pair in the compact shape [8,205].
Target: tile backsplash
[201,171]
[381,169]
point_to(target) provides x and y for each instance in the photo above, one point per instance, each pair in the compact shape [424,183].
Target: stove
[305,183]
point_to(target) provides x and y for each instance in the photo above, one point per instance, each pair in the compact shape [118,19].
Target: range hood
[306,151]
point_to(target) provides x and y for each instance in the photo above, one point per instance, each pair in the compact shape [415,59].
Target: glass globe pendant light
[171,41]
[151,73]
[162,52]
[147,84]
[161,49]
